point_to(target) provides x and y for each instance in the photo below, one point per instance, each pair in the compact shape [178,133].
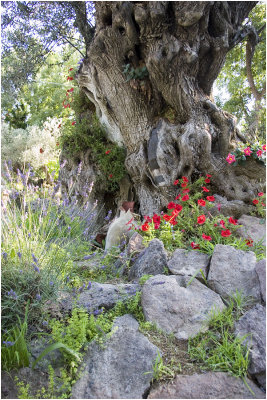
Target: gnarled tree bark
[167,120]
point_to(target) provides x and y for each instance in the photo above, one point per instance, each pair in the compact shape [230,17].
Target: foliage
[144,278]
[135,73]
[233,78]
[217,348]
[189,224]
[14,352]
[245,151]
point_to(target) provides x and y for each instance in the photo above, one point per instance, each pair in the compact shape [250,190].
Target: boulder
[253,323]
[229,208]
[151,261]
[175,308]
[252,227]
[119,369]
[212,385]
[98,295]
[232,270]
[187,263]
[261,272]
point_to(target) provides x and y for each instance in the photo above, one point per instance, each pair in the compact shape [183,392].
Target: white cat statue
[119,228]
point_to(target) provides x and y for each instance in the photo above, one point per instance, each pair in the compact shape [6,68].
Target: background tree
[244,78]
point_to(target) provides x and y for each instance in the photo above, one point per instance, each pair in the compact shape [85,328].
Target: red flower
[210,198]
[194,245]
[171,205]
[255,201]
[208,176]
[222,223]
[177,197]
[73,123]
[260,194]
[207,180]
[172,221]
[186,190]
[41,150]
[184,178]
[184,184]
[226,233]
[71,90]
[264,147]
[206,237]
[175,213]
[232,221]
[156,219]
[167,217]
[204,189]
[145,227]
[110,176]
[201,219]
[178,207]
[69,78]
[147,218]
[215,225]
[184,198]
[70,69]
[249,242]
[176,182]
[59,126]
[156,226]
[108,151]
[219,207]
[201,202]
[263,204]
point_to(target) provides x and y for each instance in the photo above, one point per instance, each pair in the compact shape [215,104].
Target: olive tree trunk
[163,113]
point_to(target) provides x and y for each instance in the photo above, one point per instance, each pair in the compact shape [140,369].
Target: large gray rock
[187,263]
[229,208]
[252,227]
[151,261]
[117,371]
[178,309]
[212,385]
[232,270]
[98,295]
[261,272]
[253,322]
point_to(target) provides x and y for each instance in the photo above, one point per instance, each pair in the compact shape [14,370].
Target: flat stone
[212,385]
[177,309]
[187,263]
[232,270]
[151,261]
[253,323]
[252,227]
[119,369]
[99,296]
[261,272]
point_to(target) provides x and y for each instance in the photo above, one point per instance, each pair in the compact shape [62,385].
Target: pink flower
[247,151]
[259,153]
[230,158]
[260,194]
[264,147]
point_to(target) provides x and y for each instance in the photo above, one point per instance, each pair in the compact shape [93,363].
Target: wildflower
[259,153]
[201,202]
[4,254]
[69,78]
[156,226]
[184,184]
[41,150]
[11,293]
[67,278]
[88,257]
[45,323]
[204,189]
[166,217]
[186,190]
[215,225]
[19,254]
[73,123]
[29,235]
[177,197]
[249,242]
[71,90]
[207,180]
[146,218]
[156,219]
[205,237]
[38,296]
[201,219]
[178,207]
[255,201]
[194,245]
[184,178]
[36,268]
[247,151]
[226,233]
[108,216]
[172,221]
[171,205]
[51,283]
[230,158]
[70,69]
[208,176]
[222,223]
[145,227]
[34,258]
[176,182]
[210,198]
[110,176]
[8,343]
[185,198]
[219,207]
[175,213]
[89,285]
[108,151]
[260,194]
[232,221]
[264,147]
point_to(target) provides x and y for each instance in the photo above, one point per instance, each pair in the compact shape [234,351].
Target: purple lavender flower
[12,294]
[8,343]
[4,254]
[89,285]
[108,216]
[51,283]
[38,296]
[19,254]
[29,235]
[45,323]
[34,258]
[35,268]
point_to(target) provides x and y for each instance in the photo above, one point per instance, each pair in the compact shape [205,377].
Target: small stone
[252,227]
